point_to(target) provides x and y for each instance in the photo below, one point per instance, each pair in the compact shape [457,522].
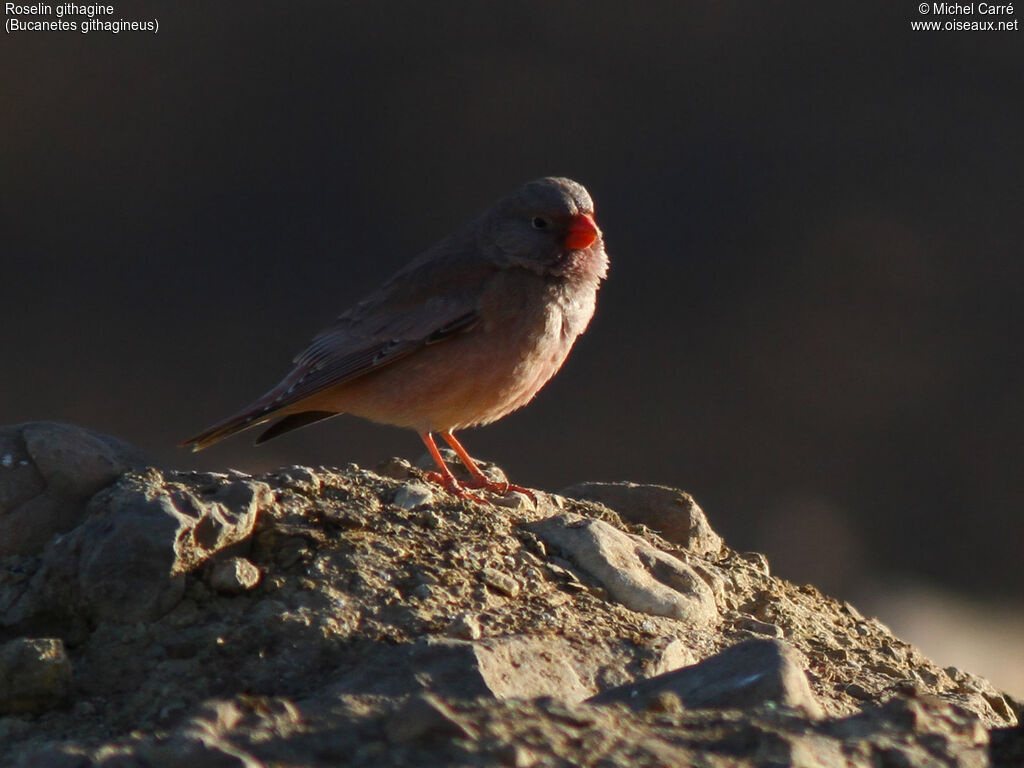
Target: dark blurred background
[813,317]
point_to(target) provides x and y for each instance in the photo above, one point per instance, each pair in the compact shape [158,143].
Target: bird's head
[548,227]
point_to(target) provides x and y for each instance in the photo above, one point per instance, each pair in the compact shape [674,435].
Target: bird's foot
[450,484]
[483,483]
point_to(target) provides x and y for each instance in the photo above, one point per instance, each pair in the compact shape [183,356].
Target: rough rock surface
[47,472]
[35,675]
[318,617]
[671,512]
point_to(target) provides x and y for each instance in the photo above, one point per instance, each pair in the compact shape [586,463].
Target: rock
[499,581]
[234,576]
[204,740]
[365,607]
[756,627]
[20,479]
[674,655]
[35,675]
[47,473]
[126,562]
[516,756]
[634,572]
[507,667]
[671,512]
[465,626]
[748,674]
[666,701]
[525,668]
[396,468]
[413,495]
[425,715]
[302,479]
[913,731]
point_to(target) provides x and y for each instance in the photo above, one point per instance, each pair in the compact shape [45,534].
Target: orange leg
[445,478]
[480,480]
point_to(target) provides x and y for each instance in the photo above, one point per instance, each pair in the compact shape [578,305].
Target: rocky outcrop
[319,617]
[47,473]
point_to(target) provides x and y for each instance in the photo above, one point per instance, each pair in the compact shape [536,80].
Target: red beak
[582,232]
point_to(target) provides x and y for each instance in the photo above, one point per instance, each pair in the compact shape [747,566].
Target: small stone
[635,573]
[234,576]
[430,519]
[395,468]
[666,701]
[513,500]
[667,510]
[858,691]
[425,715]
[291,551]
[749,674]
[852,611]
[301,479]
[675,655]
[413,495]
[35,674]
[500,582]
[516,756]
[757,561]
[759,627]
[465,626]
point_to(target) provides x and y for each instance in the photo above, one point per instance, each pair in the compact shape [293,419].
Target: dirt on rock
[324,617]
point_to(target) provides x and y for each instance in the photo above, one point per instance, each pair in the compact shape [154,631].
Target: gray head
[542,225]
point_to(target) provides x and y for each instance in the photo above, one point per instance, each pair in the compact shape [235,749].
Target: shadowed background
[812,320]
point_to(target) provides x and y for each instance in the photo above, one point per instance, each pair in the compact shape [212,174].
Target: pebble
[425,715]
[413,495]
[422,591]
[513,500]
[234,576]
[516,756]
[301,479]
[291,551]
[395,468]
[759,627]
[500,582]
[465,626]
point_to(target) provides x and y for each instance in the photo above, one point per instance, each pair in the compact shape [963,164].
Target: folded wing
[402,317]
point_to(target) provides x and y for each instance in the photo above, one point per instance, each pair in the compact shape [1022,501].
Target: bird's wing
[429,301]
[348,350]
[432,299]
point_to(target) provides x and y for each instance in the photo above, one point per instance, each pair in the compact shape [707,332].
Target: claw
[502,489]
[480,481]
[450,484]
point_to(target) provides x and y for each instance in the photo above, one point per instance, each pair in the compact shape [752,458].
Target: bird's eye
[541,223]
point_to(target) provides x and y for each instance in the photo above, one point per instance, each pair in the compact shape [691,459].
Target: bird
[466,333]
